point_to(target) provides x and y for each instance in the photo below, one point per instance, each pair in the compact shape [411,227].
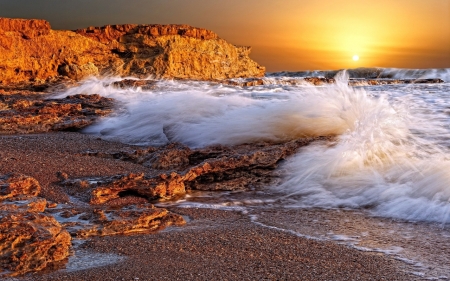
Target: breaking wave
[390,153]
[374,73]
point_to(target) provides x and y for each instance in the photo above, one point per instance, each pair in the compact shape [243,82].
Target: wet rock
[161,187]
[30,242]
[171,156]
[145,85]
[33,205]
[320,81]
[372,82]
[18,186]
[213,168]
[250,82]
[32,114]
[135,219]
[31,238]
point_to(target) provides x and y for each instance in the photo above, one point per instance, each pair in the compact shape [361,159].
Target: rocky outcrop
[29,240]
[242,167]
[31,51]
[33,238]
[143,218]
[147,85]
[18,186]
[175,51]
[374,82]
[316,81]
[33,114]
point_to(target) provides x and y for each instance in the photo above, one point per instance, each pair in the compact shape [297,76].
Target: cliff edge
[30,51]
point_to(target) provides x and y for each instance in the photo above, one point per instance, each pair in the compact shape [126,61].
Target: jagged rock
[136,219]
[132,83]
[113,34]
[250,82]
[162,187]
[76,72]
[175,51]
[30,51]
[171,156]
[30,242]
[26,114]
[33,205]
[372,82]
[27,28]
[319,81]
[212,168]
[18,186]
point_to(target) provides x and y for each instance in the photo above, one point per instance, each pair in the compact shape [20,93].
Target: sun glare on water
[355,57]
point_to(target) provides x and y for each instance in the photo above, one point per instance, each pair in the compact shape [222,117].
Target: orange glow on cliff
[288,34]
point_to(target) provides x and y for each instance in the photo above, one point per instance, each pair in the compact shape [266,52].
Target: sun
[355,57]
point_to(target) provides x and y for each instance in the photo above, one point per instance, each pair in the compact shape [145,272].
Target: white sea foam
[391,154]
[379,164]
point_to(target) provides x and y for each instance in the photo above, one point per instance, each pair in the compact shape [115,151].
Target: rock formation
[29,240]
[242,167]
[18,186]
[143,218]
[32,114]
[30,51]
[32,238]
[174,51]
[147,85]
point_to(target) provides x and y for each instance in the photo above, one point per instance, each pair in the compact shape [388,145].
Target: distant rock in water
[373,73]
[31,51]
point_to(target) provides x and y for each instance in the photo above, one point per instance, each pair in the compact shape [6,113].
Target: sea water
[390,155]
[389,158]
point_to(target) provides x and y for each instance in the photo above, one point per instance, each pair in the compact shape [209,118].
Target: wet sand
[214,244]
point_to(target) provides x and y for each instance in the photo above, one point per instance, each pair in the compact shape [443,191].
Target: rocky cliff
[31,51]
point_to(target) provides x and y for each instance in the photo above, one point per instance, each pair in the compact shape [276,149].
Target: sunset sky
[285,34]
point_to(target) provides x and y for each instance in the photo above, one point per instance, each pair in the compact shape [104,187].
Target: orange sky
[284,34]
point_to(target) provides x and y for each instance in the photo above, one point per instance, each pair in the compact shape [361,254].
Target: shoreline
[218,243]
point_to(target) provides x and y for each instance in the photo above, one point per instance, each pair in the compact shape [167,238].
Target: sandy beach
[149,141]
[213,245]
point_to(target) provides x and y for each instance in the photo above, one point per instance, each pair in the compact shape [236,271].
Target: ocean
[381,184]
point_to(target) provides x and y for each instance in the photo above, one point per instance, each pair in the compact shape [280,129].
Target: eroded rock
[30,242]
[219,167]
[142,218]
[18,186]
[31,51]
[174,51]
[31,114]
[33,238]
[320,81]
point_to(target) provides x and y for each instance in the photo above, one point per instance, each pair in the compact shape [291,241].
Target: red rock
[31,52]
[18,186]
[109,33]
[28,28]
[30,242]
[31,114]
[213,168]
[140,219]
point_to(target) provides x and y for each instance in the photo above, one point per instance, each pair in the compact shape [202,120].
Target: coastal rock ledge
[30,51]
